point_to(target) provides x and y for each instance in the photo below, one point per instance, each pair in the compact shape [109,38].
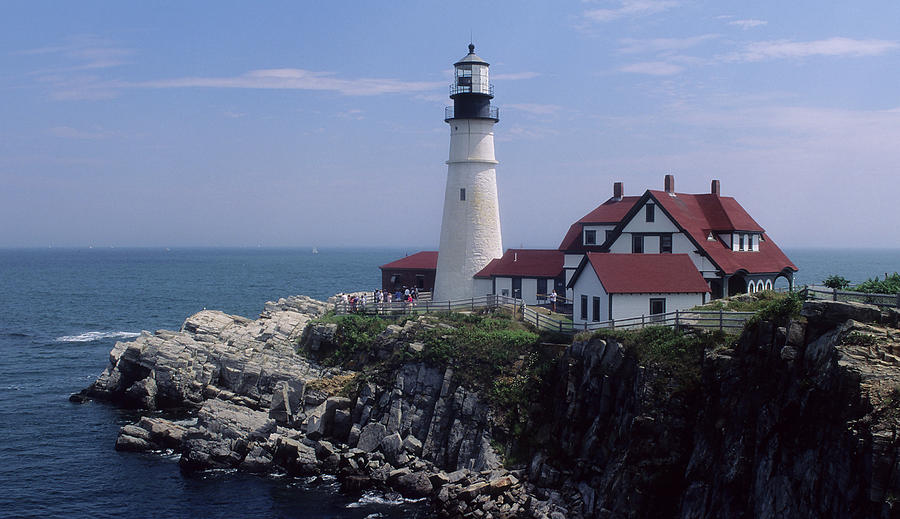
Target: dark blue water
[60,314]
[57,458]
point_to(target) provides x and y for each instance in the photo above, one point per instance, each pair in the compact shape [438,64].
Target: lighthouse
[470,227]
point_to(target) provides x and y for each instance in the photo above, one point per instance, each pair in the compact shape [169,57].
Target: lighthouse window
[462,193]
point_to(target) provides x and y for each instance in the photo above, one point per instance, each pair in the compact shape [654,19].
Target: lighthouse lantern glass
[472,77]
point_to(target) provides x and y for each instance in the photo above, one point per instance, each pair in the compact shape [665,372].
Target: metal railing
[493,113]
[467,89]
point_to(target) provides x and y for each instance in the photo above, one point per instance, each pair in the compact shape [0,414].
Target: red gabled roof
[424,260]
[701,214]
[646,273]
[534,263]
[610,212]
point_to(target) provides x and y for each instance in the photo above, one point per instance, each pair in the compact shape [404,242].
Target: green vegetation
[744,303]
[889,285]
[676,352]
[860,339]
[837,282]
[778,309]
[355,335]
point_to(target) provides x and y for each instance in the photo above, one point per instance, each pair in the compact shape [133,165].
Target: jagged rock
[391,447]
[220,438]
[287,397]
[370,437]
[412,445]
[295,456]
[257,460]
[415,484]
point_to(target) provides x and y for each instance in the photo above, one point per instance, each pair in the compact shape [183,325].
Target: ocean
[61,311]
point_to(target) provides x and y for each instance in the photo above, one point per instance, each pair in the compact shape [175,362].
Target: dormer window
[740,242]
[590,237]
[651,212]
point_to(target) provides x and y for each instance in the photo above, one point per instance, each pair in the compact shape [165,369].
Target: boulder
[414,484]
[370,437]
[392,447]
[287,398]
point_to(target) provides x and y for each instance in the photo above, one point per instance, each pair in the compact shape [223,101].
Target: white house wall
[589,284]
[636,305]
[483,287]
[661,222]
[502,284]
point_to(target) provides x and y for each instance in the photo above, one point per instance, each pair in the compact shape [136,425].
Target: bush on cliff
[889,285]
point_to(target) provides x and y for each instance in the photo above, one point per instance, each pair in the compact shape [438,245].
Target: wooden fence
[710,320]
[834,294]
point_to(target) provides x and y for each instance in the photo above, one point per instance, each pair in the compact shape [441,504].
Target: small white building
[610,286]
[527,274]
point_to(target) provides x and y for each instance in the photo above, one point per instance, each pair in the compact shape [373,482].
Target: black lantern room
[471,90]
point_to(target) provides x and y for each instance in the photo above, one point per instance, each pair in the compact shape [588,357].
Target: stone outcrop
[798,420]
[794,421]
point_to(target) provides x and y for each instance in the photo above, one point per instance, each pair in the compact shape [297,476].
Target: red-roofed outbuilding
[413,271]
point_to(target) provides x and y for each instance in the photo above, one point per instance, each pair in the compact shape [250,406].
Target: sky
[220,123]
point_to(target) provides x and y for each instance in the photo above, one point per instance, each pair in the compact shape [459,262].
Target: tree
[835,281]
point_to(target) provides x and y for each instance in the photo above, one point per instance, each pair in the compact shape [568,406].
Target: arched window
[768,284]
[760,286]
[751,287]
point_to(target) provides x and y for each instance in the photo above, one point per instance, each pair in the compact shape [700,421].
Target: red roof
[646,273]
[610,212]
[424,260]
[701,214]
[534,263]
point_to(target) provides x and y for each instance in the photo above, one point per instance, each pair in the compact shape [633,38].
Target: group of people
[357,303]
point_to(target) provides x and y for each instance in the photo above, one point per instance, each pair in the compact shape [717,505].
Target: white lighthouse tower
[470,229]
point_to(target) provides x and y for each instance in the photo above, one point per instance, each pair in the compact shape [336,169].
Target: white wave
[95,336]
[377,498]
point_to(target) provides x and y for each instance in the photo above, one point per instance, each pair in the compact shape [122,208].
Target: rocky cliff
[797,420]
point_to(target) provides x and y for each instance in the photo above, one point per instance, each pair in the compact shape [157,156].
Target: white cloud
[514,76]
[662,45]
[630,8]
[748,24]
[88,52]
[295,79]
[67,132]
[653,68]
[534,108]
[786,49]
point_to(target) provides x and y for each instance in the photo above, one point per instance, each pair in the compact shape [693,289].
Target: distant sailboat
[315,250]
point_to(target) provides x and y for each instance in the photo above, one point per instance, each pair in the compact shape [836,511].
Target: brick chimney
[670,184]
[618,191]
[715,187]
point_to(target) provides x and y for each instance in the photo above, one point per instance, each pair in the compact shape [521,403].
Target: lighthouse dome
[471,57]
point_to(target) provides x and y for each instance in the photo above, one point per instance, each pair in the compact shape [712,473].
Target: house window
[542,286]
[590,237]
[517,288]
[637,243]
[608,235]
[665,243]
[596,310]
[420,281]
[651,212]
[462,193]
[584,308]
[657,306]
[741,242]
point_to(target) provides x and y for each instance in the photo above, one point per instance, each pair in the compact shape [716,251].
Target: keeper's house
[619,286]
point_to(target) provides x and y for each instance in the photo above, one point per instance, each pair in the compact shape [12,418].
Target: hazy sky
[321,123]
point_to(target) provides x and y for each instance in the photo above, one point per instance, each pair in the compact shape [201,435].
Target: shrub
[890,285]
[835,281]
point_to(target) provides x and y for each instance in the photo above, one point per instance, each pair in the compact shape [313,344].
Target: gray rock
[287,397]
[370,437]
[412,445]
[391,446]
[414,484]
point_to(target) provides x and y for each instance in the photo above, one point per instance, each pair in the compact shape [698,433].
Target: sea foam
[96,336]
